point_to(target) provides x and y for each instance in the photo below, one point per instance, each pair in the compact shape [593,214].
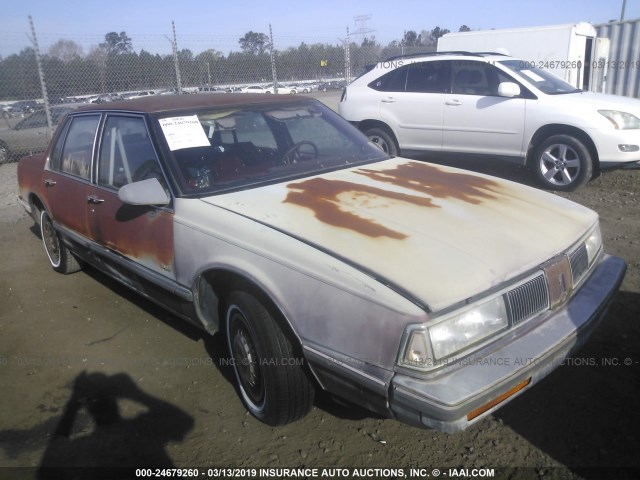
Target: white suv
[492,104]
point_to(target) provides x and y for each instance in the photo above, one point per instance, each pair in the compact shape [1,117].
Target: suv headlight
[621,120]
[427,345]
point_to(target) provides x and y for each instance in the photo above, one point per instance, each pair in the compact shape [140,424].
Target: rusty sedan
[424,293]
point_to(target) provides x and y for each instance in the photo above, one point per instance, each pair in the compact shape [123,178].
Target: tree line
[114,65]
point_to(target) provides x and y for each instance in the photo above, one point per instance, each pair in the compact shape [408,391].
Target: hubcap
[379,142]
[246,360]
[560,164]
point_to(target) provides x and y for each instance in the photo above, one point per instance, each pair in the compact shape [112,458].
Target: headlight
[593,243]
[621,120]
[454,333]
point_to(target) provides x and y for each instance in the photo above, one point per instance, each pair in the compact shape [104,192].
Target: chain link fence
[48,73]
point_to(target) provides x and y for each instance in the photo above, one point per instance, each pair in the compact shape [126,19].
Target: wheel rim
[245,359]
[51,240]
[380,143]
[560,164]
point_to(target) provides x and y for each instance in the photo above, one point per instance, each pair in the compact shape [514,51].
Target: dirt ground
[160,397]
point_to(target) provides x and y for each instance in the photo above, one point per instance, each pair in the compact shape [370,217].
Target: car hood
[439,234]
[601,100]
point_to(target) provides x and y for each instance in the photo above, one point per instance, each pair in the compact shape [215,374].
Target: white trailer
[570,51]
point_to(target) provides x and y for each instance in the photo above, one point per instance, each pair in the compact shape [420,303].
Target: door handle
[49,183]
[95,200]
[453,103]
[388,100]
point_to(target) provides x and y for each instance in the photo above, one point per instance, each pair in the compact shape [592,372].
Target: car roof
[452,54]
[167,103]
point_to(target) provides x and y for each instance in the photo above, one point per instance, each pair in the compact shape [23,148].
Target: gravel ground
[159,400]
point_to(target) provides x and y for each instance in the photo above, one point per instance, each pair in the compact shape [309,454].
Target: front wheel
[60,257]
[562,162]
[270,377]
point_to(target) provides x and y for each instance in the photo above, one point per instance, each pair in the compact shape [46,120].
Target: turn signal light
[487,406]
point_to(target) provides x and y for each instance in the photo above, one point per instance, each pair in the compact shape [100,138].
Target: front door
[140,233]
[476,119]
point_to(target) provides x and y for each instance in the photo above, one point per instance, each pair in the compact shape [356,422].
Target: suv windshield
[545,81]
[236,147]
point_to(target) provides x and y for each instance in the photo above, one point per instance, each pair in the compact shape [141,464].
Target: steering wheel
[296,154]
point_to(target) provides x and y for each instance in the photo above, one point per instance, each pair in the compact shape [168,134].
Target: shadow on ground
[584,414]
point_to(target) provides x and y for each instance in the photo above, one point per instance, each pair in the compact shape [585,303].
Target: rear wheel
[383,140]
[563,162]
[60,257]
[270,377]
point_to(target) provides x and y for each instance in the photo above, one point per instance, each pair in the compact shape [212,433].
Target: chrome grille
[528,299]
[579,263]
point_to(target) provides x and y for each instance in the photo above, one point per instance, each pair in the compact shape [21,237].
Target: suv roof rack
[435,54]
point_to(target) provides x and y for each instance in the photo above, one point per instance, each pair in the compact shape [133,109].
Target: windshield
[236,147]
[545,81]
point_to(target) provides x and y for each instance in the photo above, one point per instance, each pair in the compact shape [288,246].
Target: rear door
[411,100]
[140,235]
[68,173]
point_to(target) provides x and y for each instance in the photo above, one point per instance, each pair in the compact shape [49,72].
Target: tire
[270,378]
[384,140]
[562,162]
[60,257]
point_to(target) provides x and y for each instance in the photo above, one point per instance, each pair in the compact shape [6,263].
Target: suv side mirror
[508,89]
[144,192]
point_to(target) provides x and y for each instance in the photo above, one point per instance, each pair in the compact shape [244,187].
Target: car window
[75,155]
[545,81]
[393,81]
[470,77]
[428,77]
[221,149]
[126,153]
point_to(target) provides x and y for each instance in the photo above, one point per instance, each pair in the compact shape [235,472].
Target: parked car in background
[287,89]
[256,89]
[31,134]
[424,293]
[141,94]
[23,107]
[307,87]
[332,85]
[210,89]
[492,104]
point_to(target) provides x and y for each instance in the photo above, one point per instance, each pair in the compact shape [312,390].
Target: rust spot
[322,195]
[431,180]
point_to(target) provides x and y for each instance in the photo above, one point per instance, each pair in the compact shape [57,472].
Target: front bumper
[447,400]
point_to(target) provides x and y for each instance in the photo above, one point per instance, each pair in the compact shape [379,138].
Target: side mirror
[144,192]
[508,89]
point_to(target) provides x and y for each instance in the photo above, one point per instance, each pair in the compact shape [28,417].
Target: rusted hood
[439,233]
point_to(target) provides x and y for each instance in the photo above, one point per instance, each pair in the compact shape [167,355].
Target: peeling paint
[323,196]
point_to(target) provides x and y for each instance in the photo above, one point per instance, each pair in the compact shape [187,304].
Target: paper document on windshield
[184,132]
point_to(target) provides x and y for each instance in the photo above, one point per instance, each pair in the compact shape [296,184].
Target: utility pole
[174,46]
[43,85]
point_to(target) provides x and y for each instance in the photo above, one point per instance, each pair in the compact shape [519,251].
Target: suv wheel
[562,162]
[384,140]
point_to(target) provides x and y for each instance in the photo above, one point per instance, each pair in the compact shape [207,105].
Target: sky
[202,24]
